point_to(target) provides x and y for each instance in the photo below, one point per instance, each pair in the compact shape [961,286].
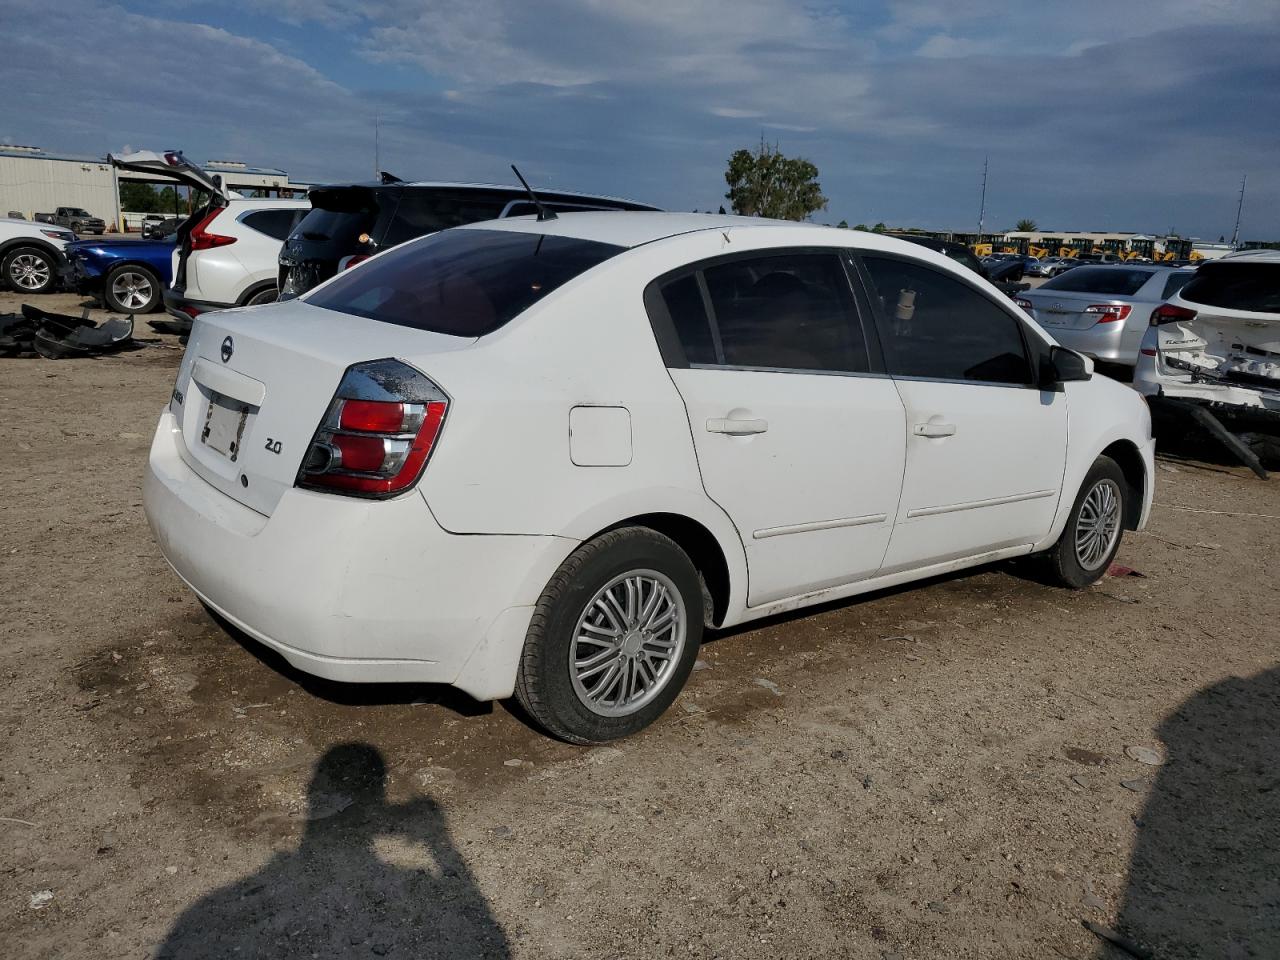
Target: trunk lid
[255,384]
[1064,309]
[171,165]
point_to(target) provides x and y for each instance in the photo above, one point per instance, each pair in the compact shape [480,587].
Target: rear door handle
[737,428]
[935,429]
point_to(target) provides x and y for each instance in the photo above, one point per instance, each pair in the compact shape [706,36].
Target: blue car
[128,275]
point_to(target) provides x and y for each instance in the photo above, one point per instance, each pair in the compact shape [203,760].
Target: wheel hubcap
[627,642]
[1098,525]
[131,290]
[29,271]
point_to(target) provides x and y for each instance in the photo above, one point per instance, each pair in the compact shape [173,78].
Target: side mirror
[1063,366]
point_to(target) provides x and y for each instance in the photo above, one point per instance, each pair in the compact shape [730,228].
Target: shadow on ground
[1204,880]
[336,896]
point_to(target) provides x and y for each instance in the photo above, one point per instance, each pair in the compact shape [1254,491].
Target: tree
[1025,226]
[879,228]
[768,184]
[861,226]
[843,224]
[137,197]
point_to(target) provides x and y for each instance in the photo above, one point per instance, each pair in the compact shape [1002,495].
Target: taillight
[378,432]
[1109,312]
[202,240]
[1169,313]
[1024,304]
[352,260]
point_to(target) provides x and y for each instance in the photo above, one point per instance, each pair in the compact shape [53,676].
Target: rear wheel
[262,296]
[613,638]
[131,289]
[1091,538]
[30,270]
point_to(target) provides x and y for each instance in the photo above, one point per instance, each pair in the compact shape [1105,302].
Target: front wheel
[131,289]
[1091,538]
[30,270]
[613,637]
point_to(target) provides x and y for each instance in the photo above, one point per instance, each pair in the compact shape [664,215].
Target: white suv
[227,253]
[32,255]
[228,256]
[540,456]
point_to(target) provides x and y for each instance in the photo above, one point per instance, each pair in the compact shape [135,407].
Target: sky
[1095,114]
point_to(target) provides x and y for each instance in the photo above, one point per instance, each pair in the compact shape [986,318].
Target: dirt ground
[942,771]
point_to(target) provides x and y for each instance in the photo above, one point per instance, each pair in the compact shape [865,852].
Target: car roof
[505,187]
[632,228]
[1252,256]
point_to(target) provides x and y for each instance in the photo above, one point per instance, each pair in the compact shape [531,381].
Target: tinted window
[1236,286]
[936,326]
[465,283]
[341,227]
[683,299]
[793,312]
[274,223]
[425,211]
[1117,281]
[1175,282]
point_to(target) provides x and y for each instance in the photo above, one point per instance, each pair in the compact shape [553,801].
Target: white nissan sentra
[540,457]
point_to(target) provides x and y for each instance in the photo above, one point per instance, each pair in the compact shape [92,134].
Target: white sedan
[540,457]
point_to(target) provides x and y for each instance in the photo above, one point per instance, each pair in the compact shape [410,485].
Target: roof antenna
[543,212]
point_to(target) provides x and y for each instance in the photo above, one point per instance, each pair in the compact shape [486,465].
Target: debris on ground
[1124,943]
[40,899]
[1144,755]
[1119,570]
[768,685]
[57,336]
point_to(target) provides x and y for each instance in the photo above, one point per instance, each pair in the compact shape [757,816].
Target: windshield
[465,283]
[1116,281]
[77,212]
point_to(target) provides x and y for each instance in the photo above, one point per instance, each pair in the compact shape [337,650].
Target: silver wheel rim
[29,271]
[131,290]
[627,643]
[1098,524]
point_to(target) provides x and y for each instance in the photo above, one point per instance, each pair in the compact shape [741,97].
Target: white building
[34,181]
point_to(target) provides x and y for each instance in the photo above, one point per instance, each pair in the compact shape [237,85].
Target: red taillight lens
[1024,304]
[1168,313]
[348,262]
[1109,312]
[202,240]
[375,448]
[372,416]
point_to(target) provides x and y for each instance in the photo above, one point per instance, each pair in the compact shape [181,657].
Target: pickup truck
[75,219]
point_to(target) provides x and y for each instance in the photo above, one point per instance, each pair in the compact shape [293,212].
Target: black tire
[545,684]
[1063,559]
[265,295]
[131,288]
[31,270]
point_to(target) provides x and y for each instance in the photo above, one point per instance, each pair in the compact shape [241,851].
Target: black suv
[351,222]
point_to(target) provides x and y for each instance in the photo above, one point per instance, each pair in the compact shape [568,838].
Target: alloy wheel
[627,642]
[1098,524]
[29,271]
[132,291]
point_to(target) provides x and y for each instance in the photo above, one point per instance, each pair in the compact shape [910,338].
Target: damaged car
[1217,339]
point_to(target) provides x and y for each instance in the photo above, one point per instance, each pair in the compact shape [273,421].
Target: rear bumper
[352,590]
[1102,341]
[181,307]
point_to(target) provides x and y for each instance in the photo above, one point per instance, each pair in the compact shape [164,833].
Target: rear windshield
[465,283]
[1236,286]
[1117,281]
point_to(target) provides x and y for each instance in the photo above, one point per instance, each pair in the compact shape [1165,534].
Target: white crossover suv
[541,456]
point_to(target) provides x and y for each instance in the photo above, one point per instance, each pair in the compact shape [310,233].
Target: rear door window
[1236,286]
[274,223]
[934,326]
[1175,282]
[1115,281]
[465,283]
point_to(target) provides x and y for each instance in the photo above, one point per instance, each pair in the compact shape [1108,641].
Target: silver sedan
[1103,310]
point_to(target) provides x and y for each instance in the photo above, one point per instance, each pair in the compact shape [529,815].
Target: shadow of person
[1204,879]
[337,895]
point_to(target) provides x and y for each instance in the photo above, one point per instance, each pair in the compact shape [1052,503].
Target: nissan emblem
[228,348]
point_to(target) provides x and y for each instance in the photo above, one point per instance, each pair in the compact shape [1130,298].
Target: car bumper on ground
[348,589]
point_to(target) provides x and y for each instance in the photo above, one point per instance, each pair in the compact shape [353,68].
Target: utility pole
[377,165]
[1235,234]
[982,211]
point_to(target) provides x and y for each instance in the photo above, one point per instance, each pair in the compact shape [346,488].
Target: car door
[985,446]
[799,437]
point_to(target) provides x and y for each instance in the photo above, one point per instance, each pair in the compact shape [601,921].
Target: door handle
[934,429]
[737,428]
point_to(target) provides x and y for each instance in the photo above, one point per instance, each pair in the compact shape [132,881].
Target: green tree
[861,226]
[843,224]
[879,228]
[137,197]
[1025,226]
[768,184]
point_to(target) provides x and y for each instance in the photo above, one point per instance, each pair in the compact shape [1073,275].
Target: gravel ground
[960,769]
